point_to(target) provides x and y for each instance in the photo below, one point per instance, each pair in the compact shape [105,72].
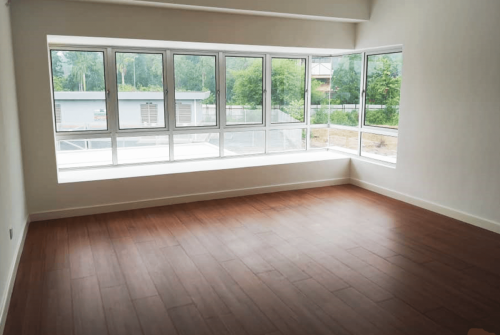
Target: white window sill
[120,172]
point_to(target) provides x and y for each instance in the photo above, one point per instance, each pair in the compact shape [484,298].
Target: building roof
[130,95]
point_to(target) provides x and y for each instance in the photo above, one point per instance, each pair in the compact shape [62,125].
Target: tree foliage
[78,71]
[383,88]
[195,73]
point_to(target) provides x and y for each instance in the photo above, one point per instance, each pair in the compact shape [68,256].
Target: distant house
[87,110]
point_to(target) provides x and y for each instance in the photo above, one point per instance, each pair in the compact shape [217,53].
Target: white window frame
[360,128]
[114,82]
[221,127]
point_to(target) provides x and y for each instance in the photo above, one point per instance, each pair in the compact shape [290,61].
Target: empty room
[231,167]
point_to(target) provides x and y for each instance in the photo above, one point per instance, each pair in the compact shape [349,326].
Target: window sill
[120,172]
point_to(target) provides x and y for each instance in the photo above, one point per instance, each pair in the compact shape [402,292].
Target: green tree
[247,85]
[78,71]
[384,86]
[123,60]
[346,80]
[195,73]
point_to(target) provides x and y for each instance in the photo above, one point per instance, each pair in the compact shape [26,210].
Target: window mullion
[170,87]
[268,103]
[307,106]
[362,106]
[222,100]
[112,102]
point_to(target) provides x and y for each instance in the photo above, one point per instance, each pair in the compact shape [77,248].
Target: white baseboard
[446,211]
[4,304]
[116,207]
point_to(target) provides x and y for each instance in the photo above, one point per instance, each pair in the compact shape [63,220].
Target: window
[379,147]
[244,90]
[195,90]
[288,90]
[383,86]
[196,146]
[356,99]
[139,78]
[344,140]
[84,152]
[79,90]
[158,106]
[281,140]
[244,143]
[336,88]
[143,149]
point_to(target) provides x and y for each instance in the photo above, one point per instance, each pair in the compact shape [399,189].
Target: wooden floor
[334,260]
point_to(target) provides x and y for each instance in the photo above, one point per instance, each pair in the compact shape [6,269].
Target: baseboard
[116,207]
[4,306]
[446,211]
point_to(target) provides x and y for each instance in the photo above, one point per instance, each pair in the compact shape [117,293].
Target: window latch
[108,93]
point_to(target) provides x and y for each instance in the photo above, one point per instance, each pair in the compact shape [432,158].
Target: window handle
[108,93]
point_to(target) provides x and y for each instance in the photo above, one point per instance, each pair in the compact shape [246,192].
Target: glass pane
[287,140]
[84,152]
[195,91]
[79,90]
[346,140]
[244,143]
[244,87]
[383,90]
[140,90]
[335,88]
[142,149]
[319,138]
[193,146]
[379,147]
[288,90]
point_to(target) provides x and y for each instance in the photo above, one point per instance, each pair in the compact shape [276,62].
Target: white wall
[12,203]
[34,20]
[449,138]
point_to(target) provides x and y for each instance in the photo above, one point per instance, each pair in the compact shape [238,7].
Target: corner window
[116,106]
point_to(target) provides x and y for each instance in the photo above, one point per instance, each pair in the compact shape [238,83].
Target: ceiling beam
[323,10]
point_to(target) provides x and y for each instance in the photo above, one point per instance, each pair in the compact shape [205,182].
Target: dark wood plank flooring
[333,260]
